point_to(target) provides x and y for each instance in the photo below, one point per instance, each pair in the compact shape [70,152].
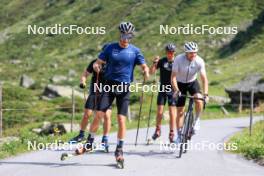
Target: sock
[157,127]
[81,133]
[179,131]
[120,143]
[197,115]
[105,139]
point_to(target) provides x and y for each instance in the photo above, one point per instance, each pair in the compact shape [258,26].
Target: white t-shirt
[186,71]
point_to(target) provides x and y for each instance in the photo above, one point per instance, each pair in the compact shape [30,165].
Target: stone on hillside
[36,130]
[72,73]
[49,128]
[45,124]
[4,35]
[216,62]
[8,139]
[26,81]
[15,61]
[52,91]
[54,65]
[58,78]
[90,57]
[53,129]
[217,72]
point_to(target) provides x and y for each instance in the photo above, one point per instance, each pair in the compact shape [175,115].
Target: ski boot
[171,137]
[77,139]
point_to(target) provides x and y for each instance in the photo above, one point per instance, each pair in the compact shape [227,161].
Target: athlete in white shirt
[185,68]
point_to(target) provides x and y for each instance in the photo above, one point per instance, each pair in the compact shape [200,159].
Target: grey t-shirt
[186,71]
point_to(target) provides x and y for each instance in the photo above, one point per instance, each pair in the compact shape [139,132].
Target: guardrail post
[251,111]
[240,107]
[73,109]
[1,112]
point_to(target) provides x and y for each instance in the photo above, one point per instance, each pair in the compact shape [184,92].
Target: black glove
[206,98]
[176,95]
[82,85]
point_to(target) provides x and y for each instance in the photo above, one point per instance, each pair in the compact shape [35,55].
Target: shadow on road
[51,164]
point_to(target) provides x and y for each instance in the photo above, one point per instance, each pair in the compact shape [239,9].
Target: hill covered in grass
[43,56]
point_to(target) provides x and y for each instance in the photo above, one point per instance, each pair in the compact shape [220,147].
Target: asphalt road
[145,160]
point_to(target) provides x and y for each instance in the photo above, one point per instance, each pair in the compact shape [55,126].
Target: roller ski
[102,147]
[154,137]
[119,158]
[86,148]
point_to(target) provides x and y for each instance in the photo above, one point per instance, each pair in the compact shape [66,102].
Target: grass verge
[251,147]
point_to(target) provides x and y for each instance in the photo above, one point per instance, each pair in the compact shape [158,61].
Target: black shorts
[122,98]
[192,88]
[164,96]
[90,102]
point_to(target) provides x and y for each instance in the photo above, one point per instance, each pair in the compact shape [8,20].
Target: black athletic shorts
[164,96]
[122,97]
[90,102]
[192,88]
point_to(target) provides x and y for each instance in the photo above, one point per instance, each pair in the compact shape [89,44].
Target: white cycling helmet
[126,27]
[191,47]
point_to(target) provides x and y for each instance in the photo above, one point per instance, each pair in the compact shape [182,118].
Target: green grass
[25,134]
[252,147]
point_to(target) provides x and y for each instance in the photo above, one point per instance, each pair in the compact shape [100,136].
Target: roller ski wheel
[85,148]
[150,141]
[155,136]
[119,158]
[120,163]
[64,156]
[77,152]
[104,148]
[80,151]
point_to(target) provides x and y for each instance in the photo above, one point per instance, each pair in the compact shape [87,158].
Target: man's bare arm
[204,83]
[84,76]
[153,68]
[145,70]
[174,82]
[98,65]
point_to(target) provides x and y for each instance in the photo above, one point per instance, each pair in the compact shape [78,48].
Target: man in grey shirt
[184,79]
